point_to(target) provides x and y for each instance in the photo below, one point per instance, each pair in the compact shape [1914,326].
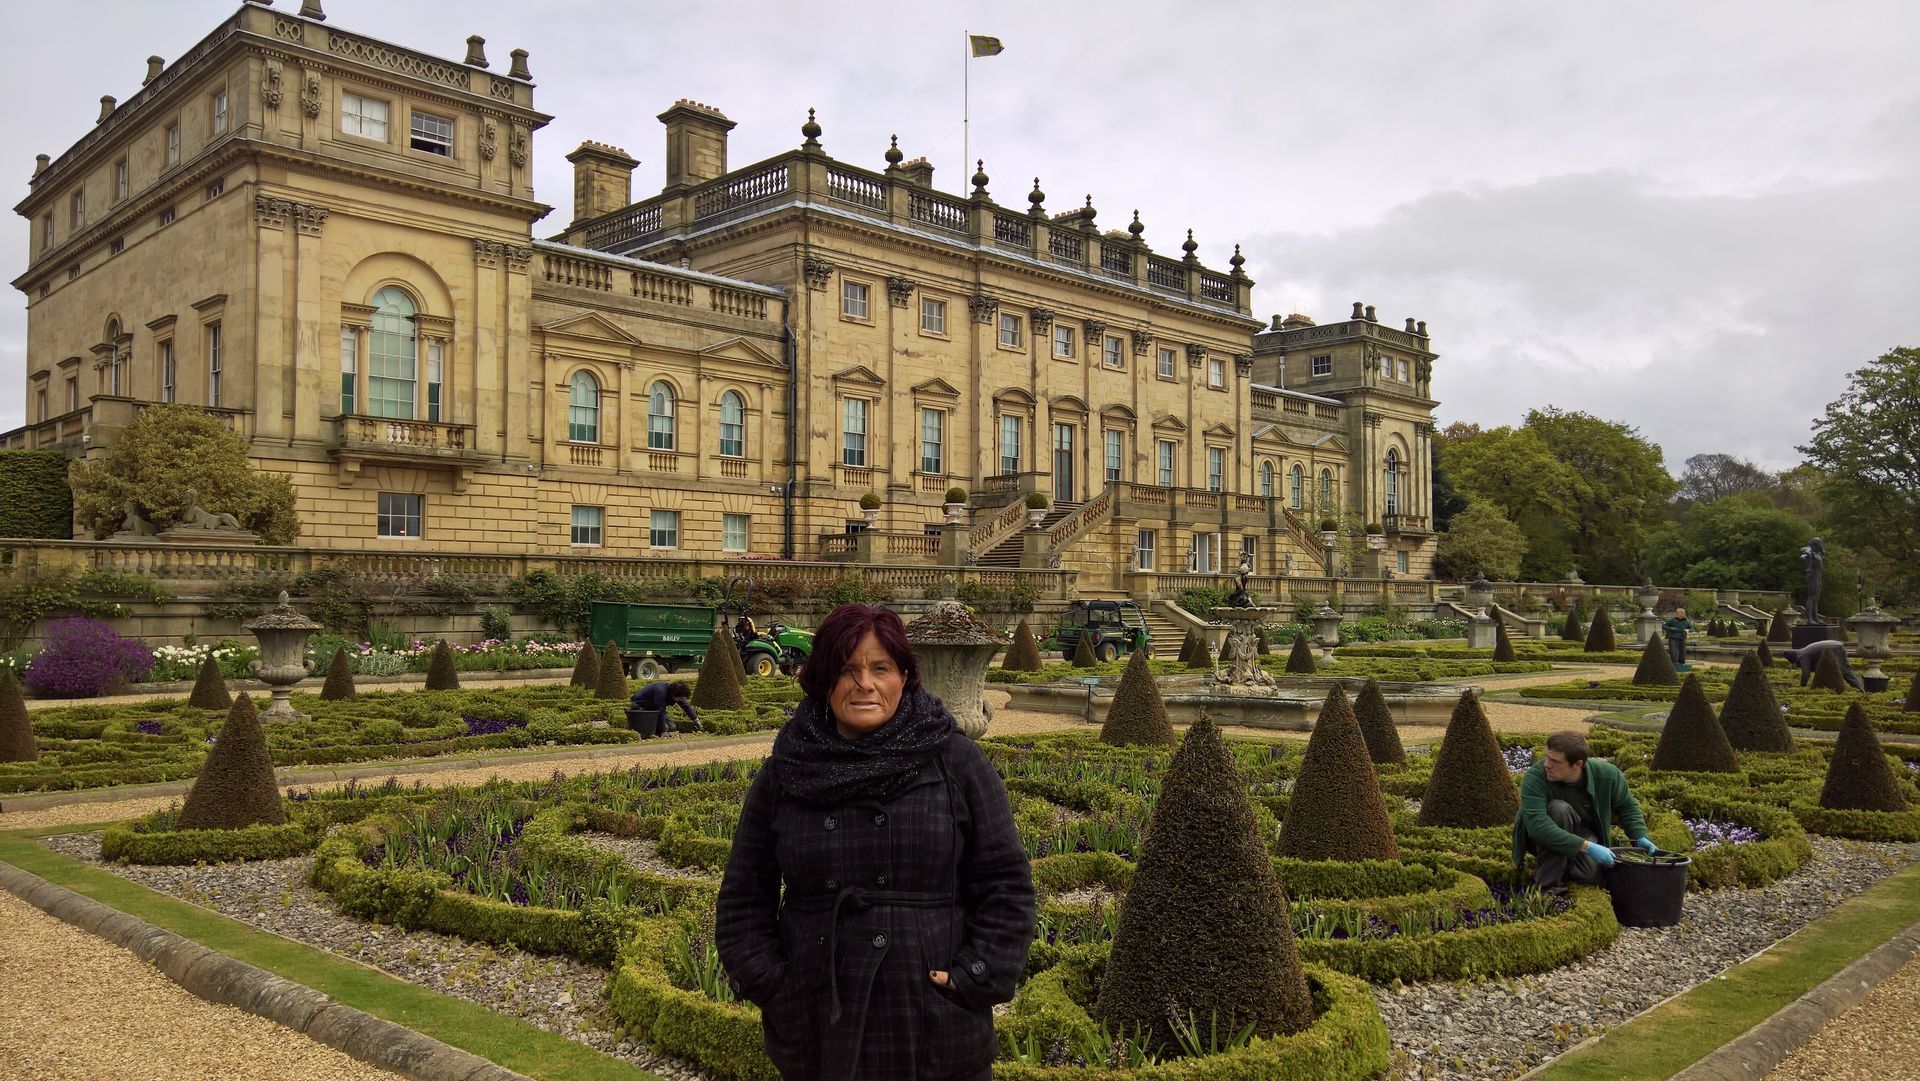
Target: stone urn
[1874,628]
[954,648]
[283,662]
[1326,626]
[1479,595]
[956,513]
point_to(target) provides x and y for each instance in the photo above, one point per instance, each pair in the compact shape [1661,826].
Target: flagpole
[966,98]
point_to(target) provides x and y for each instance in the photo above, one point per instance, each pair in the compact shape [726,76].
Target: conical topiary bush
[1502,645]
[1024,654]
[1574,627]
[719,685]
[1204,931]
[16,728]
[1600,634]
[441,674]
[1826,673]
[339,686]
[586,667]
[1692,738]
[1778,630]
[1202,656]
[1300,659]
[1138,714]
[1751,715]
[1656,664]
[1337,812]
[1261,647]
[1911,704]
[1764,653]
[1470,785]
[1858,776]
[1377,727]
[1083,651]
[611,686]
[235,787]
[210,688]
[1186,647]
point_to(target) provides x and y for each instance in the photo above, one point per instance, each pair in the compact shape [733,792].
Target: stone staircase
[1007,552]
[1167,636]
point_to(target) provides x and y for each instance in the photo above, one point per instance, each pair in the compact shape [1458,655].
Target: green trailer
[657,638]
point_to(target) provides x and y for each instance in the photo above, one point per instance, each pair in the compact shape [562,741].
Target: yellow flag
[986,46]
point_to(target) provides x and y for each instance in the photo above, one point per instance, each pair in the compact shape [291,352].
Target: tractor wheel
[762,664]
[1106,651]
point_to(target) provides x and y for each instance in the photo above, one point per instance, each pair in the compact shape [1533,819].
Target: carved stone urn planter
[283,660]
[954,648]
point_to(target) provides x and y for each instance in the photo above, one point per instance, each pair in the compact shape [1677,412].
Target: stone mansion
[328,240]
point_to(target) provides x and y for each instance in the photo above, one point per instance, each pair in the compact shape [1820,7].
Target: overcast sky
[1694,219]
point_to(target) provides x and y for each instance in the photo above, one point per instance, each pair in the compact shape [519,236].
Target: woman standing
[908,904]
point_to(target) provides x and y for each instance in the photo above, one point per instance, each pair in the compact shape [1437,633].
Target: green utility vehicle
[657,638]
[1118,628]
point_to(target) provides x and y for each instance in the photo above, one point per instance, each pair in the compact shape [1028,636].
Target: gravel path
[53,1026]
[1876,1040]
[1502,1028]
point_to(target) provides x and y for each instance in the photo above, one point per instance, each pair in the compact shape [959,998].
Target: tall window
[73,393]
[167,373]
[854,299]
[365,117]
[588,525]
[1216,372]
[46,231]
[431,134]
[1143,548]
[1010,440]
[1393,480]
[1266,480]
[1063,341]
[173,144]
[1249,548]
[393,355]
[1009,330]
[77,210]
[1165,452]
[733,425]
[933,450]
[733,532]
[660,433]
[219,112]
[40,399]
[214,362]
[401,514]
[436,373]
[119,180]
[1167,362]
[663,529]
[1114,355]
[1297,496]
[583,410]
[853,432]
[349,370]
[1400,562]
[1116,454]
[1216,468]
[1326,489]
[933,315]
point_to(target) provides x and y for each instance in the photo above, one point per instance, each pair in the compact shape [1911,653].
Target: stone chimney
[602,180]
[154,67]
[696,143]
[40,163]
[106,108]
[919,173]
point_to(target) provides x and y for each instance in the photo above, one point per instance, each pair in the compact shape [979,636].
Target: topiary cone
[1764,653]
[1826,674]
[1138,715]
[210,689]
[1336,812]
[1186,647]
[1692,738]
[1858,776]
[1751,715]
[586,667]
[719,685]
[235,787]
[1083,651]
[339,686]
[1574,627]
[1202,656]
[1777,630]
[1377,727]
[1260,645]
[612,682]
[1911,703]
[1300,660]
[1024,654]
[1502,645]
[16,728]
[1470,785]
[1204,929]
[1600,635]
[441,674]
[1656,664]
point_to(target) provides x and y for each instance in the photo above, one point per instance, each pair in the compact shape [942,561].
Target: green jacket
[1676,628]
[1606,786]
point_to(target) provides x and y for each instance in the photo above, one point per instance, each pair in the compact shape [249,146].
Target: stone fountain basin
[1293,706]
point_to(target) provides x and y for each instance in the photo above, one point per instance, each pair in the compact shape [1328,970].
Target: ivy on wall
[34,498]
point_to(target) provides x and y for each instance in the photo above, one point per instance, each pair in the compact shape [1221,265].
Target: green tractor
[1117,628]
[776,648]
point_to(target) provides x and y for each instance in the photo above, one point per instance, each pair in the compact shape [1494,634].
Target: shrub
[1260,646]
[1600,634]
[210,689]
[1751,715]
[1911,703]
[496,623]
[1764,653]
[168,449]
[34,498]
[1572,627]
[1204,929]
[612,684]
[956,494]
[1138,715]
[1656,664]
[1692,740]
[1337,812]
[1377,727]
[235,787]
[1470,785]
[1186,647]
[16,728]
[1300,661]
[1503,949]
[1778,630]
[719,684]
[1202,656]
[1083,651]
[1024,654]
[586,667]
[870,501]
[154,845]
[339,686]
[1037,501]
[83,658]
[1502,644]
[441,674]
[1826,673]
[1858,776]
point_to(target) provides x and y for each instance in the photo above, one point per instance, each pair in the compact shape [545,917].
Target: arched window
[393,349]
[1266,480]
[1326,490]
[1299,481]
[660,416]
[1393,480]
[583,408]
[733,426]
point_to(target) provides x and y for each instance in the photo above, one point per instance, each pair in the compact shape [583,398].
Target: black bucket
[644,721]
[1647,891]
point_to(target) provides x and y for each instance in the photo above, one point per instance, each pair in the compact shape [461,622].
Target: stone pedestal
[1805,634]
[1645,626]
[1483,632]
[178,535]
[1874,629]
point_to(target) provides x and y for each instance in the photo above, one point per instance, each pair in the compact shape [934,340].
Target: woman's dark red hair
[841,633]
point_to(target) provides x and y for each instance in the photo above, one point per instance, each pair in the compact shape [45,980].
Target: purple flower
[1709,834]
[1519,759]
[83,658]
[491,726]
[148,728]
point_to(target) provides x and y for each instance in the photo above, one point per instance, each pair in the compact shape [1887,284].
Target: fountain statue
[1239,670]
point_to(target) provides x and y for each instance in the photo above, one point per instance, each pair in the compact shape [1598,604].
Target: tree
[1377,727]
[1709,477]
[1502,644]
[1751,715]
[210,687]
[612,683]
[165,451]
[1138,714]
[441,673]
[1656,664]
[1736,542]
[1024,654]
[1620,491]
[1083,650]
[1867,445]
[235,786]
[1515,472]
[1300,660]
[16,728]
[1858,777]
[586,667]
[1481,542]
[1337,812]
[1600,635]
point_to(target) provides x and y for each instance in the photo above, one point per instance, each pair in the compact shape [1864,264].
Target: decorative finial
[1410,324]
[519,68]
[476,51]
[1371,317]
[980,178]
[285,600]
[1136,227]
[1036,197]
[1087,214]
[811,129]
[1189,245]
[894,156]
[1237,262]
[310,9]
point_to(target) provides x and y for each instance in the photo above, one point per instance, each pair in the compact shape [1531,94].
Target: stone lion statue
[196,516]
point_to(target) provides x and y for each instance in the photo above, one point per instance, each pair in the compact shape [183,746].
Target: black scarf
[819,766]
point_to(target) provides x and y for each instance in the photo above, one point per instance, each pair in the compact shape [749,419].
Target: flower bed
[1502,941]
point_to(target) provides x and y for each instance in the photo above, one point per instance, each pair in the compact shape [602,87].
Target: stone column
[482,381]
[517,348]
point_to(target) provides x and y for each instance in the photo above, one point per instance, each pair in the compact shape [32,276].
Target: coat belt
[859,899]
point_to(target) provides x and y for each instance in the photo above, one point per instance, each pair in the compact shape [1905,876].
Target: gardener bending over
[1568,805]
[1808,658]
[658,696]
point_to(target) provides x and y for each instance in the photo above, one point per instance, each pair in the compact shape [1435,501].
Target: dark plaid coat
[876,897]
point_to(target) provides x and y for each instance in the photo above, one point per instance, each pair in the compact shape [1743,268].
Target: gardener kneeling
[659,695]
[1568,805]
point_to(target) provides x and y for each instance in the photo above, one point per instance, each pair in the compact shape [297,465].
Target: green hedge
[1076,870]
[1504,949]
[1783,847]
[1859,825]
[263,842]
[723,1038]
[1387,890]
[34,498]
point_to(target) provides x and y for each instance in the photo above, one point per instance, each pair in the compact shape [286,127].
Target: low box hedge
[1890,826]
[1783,847]
[124,843]
[1503,949]
[1388,891]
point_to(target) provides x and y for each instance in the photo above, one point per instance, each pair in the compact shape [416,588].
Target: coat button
[977,968]
[880,819]
[879,880]
[831,822]
[879,942]
[833,883]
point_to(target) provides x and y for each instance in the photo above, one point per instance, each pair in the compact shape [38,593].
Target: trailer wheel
[647,668]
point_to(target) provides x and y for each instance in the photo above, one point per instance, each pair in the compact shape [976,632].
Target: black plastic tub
[1647,890]
[645,721]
